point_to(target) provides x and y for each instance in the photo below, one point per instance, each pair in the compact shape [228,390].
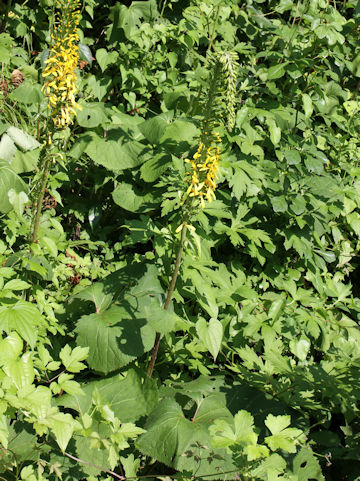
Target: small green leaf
[276,71]
[279,204]
[66,383]
[63,426]
[293,157]
[307,105]
[105,58]
[44,57]
[282,437]
[275,131]
[71,358]
[22,317]
[300,347]
[49,245]
[16,285]
[210,334]
[298,205]
[85,53]
[10,348]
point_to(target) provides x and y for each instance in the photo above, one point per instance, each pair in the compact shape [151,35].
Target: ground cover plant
[179,229]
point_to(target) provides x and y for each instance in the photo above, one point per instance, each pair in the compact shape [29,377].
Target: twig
[48,381]
[146,476]
[168,298]
[95,466]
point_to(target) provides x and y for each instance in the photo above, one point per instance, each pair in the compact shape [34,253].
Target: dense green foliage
[257,372]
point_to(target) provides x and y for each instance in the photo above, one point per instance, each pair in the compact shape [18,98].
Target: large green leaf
[22,446]
[130,398]
[153,129]
[96,293]
[154,167]
[28,93]
[179,135]
[10,347]
[130,198]
[25,161]
[91,114]
[5,47]
[22,317]
[184,444]
[23,140]
[306,467]
[115,337]
[7,148]
[129,18]
[9,180]
[115,155]
[21,371]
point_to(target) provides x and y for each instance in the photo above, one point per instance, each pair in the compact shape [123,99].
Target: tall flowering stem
[203,173]
[60,86]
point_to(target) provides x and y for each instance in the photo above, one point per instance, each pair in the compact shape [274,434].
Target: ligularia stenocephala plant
[60,86]
[204,164]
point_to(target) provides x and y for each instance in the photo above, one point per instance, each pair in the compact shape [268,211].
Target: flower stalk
[203,175]
[169,296]
[60,87]
[40,200]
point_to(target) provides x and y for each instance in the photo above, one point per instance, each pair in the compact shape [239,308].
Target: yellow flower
[204,171]
[60,70]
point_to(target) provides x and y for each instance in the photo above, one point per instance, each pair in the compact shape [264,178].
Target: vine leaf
[184,444]
[22,317]
[114,337]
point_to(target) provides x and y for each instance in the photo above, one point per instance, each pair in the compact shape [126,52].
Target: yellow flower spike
[202,178]
[59,72]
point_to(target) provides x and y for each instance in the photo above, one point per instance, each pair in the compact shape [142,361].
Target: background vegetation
[257,375]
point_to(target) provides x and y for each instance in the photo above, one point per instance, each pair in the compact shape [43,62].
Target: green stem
[162,10]
[211,39]
[40,200]
[38,125]
[168,298]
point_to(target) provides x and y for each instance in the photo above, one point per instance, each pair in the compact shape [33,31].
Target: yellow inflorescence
[204,172]
[60,70]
